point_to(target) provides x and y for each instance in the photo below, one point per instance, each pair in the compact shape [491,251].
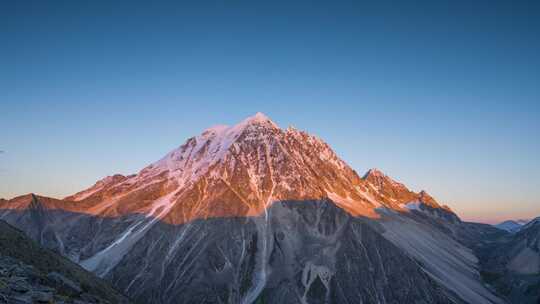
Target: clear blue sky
[443,96]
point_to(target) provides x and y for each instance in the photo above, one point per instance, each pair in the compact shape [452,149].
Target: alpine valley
[258,214]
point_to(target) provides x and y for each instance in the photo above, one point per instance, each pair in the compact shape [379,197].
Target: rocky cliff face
[254,213]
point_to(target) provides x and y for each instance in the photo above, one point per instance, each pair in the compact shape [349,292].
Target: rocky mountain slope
[31,274]
[512,264]
[524,249]
[254,213]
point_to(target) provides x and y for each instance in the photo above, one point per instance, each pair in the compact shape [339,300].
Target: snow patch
[411,206]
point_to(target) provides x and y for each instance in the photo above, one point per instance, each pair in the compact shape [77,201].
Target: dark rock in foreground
[32,274]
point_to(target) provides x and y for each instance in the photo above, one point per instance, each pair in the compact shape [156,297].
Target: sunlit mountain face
[253,213]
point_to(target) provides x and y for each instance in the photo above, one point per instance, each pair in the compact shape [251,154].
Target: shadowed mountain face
[298,252]
[256,214]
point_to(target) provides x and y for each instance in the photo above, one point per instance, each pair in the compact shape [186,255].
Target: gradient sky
[443,96]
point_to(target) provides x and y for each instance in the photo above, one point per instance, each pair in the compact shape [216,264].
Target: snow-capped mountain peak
[259,118]
[255,162]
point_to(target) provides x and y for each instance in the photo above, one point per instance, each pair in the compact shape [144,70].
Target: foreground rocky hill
[32,274]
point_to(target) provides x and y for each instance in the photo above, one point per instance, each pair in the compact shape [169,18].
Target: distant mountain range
[258,214]
[512,225]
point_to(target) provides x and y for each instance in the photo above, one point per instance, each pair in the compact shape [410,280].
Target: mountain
[525,249]
[511,225]
[258,214]
[32,274]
